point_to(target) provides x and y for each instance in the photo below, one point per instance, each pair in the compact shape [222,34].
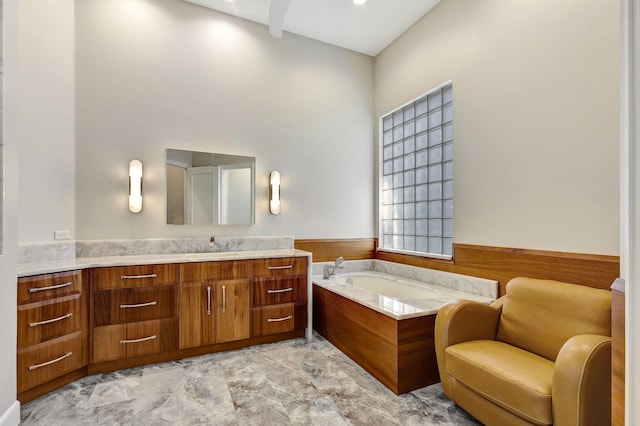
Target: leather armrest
[465,320]
[459,322]
[581,387]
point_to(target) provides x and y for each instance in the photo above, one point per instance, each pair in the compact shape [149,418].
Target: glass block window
[416,175]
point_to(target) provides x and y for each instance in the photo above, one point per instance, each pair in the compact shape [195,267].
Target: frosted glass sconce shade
[135,186]
[274,192]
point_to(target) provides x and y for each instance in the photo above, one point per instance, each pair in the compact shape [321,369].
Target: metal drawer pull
[144,339]
[208,300]
[284,290]
[139,305]
[49,321]
[280,319]
[53,287]
[53,361]
[275,268]
[137,277]
[224,299]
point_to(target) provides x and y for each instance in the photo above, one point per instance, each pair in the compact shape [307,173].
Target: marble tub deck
[295,382]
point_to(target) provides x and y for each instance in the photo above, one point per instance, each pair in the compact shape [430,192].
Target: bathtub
[385,322]
[388,286]
[400,297]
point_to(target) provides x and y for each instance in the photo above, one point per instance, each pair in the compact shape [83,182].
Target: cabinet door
[197,317]
[232,310]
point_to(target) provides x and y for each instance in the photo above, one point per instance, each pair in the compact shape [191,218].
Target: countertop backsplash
[67,250]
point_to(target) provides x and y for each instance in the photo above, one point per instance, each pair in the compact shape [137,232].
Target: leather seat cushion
[517,380]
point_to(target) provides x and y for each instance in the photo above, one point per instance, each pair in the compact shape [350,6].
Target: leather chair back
[539,316]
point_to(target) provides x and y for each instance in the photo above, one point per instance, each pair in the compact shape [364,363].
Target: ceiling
[366,28]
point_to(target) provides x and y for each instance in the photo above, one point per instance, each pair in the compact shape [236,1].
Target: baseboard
[11,417]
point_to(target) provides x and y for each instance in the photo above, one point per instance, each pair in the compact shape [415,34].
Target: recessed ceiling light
[359,2]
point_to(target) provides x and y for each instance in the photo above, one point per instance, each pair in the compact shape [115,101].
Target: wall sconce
[135,186]
[274,192]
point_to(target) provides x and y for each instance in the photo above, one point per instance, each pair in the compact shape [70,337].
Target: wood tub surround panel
[396,352]
[417,363]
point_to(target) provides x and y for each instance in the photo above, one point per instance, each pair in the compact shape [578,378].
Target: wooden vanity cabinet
[103,319]
[278,295]
[214,303]
[52,332]
[135,311]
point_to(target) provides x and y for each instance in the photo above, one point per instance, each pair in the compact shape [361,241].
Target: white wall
[9,406]
[535,116]
[46,119]
[153,74]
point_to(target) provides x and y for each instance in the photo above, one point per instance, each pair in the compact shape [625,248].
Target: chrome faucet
[330,270]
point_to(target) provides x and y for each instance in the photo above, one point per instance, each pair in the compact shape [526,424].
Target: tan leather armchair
[539,355]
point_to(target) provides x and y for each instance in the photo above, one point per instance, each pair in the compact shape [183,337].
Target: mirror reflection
[205,188]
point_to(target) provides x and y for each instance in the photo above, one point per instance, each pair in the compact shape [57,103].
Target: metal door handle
[49,321]
[144,339]
[53,361]
[137,277]
[285,290]
[280,319]
[52,287]
[139,305]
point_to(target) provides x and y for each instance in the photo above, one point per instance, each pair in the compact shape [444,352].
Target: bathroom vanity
[110,313]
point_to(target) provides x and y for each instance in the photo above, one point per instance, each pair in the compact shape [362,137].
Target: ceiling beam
[277,11]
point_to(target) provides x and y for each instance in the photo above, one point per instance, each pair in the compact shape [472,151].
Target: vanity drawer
[43,321]
[275,291]
[121,341]
[134,276]
[279,266]
[49,286]
[277,319]
[134,304]
[214,271]
[46,361]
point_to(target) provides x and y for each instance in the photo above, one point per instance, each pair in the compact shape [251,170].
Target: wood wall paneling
[502,264]
[618,292]
[327,250]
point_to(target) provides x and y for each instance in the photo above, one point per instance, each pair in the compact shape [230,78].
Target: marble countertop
[46,267]
[396,307]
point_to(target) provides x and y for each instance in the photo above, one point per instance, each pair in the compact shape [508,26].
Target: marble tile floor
[295,382]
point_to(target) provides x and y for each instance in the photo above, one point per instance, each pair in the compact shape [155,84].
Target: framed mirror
[205,188]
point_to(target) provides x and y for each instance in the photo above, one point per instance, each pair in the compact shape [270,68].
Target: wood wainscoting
[328,250]
[502,264]
[495,263]
[618,294]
